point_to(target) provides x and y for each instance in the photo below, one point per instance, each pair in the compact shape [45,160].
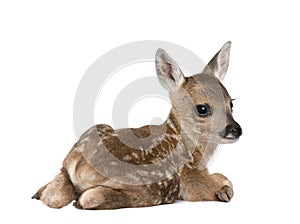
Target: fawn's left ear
[218,65]
[168,71]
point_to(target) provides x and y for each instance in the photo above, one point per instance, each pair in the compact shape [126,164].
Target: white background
[45,48]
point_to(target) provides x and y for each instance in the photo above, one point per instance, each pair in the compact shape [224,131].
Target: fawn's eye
[203,110]
[231,104]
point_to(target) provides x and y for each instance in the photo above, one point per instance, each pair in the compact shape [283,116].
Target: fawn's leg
[58,193]
[102,198]
[225,193]
[199,185]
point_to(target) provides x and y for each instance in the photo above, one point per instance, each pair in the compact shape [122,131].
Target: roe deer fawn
[154,164]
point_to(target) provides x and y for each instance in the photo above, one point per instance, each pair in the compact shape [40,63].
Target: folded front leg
[225,192]
[199,185]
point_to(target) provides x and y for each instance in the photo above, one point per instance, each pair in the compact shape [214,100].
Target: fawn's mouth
[229,138]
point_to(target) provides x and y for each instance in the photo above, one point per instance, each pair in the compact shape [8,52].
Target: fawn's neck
[201,150]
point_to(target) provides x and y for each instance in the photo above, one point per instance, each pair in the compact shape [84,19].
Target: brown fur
[152,165]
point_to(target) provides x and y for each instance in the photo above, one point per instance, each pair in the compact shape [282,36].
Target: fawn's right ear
[169,74]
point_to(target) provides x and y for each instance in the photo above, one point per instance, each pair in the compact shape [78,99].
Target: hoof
[225,193]
[36,196]
[77,205]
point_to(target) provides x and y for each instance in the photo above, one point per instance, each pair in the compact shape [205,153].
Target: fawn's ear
[169,74]
[218,65]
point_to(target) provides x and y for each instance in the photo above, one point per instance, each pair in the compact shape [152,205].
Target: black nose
[233,131]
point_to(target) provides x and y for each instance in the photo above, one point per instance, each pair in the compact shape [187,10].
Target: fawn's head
[200,103]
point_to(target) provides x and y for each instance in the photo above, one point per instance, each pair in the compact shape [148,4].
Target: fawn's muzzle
[233,131]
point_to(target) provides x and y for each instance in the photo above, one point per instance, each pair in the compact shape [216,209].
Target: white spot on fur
[135,155]
[127,158]
[157,174]
[171,125]
[143,173]
[100,142]
[167,173]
